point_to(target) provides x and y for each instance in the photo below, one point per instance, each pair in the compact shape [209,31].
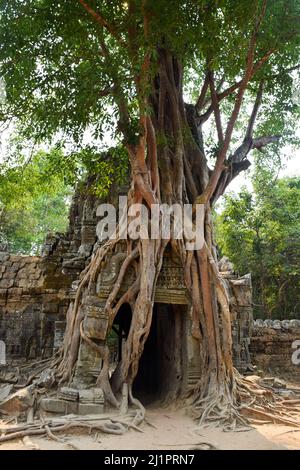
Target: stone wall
[33,297]
[239,290]
[271,346]
[240,301]
[35,291]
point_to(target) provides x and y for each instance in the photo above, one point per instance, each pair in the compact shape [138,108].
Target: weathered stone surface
[56,405]
[46,379]
[18,402]
[53,405]
[86,396]
[271,346]
[89,409]
[37,291]
[63,407]
[5,390]
[6,283]
[59,330]
[69,394]
[93,395]
[240,302]
[33,295]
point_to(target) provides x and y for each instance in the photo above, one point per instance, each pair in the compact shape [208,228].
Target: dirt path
[174,431]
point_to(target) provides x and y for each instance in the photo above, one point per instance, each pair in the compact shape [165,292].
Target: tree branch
[201,98]
[220,96]
[256,107]
[242,151]
[99,18]
[215,105]
[207,100]
[238,162]
[217,171]
[256,66]
[283,72]
[260,142]
[232,88]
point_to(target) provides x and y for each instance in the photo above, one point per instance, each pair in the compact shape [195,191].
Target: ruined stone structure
[35,293]
[171,300]
[272,347]
[33,304]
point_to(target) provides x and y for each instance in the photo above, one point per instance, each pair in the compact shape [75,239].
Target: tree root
[264,405]
[110,424]
[250,403]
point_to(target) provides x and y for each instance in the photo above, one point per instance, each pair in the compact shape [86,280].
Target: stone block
[15,266]
[90,409]
[23,273]
[59,331]
[55,405]
[18,402]
[3,257]
[3,293]
[91,396]
[71,407]
[86,396]
[98,396]
[6,283]
[15,293]
[69,394]
[51,307]
[5,391]
[8,274]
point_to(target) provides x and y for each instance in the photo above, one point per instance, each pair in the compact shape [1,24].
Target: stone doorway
[162,370]
[119,333]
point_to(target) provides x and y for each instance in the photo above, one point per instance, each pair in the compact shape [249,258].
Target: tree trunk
[168,166]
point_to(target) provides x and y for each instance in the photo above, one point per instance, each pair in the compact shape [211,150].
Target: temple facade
[36,292]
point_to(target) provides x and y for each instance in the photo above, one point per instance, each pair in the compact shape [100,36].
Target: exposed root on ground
[260,404]
[107,423]
[250,403]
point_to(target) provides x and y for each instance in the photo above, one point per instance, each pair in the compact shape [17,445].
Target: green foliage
[260,233]
[59,79]
[65,74]
[106,167]
[35,191]
[33,202]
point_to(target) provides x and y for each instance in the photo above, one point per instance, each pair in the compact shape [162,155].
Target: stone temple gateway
[35,294]
[162,364]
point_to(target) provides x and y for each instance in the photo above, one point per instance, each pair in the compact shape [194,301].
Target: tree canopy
[33,202]
[265,227]
[36,189]
[73,65]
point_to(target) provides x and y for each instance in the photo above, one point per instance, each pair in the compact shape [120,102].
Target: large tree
[73,65]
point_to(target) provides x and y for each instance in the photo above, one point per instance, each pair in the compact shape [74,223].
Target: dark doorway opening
[162,367]
[119,333]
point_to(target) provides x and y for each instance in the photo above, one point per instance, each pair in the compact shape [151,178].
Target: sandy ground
[174,431]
